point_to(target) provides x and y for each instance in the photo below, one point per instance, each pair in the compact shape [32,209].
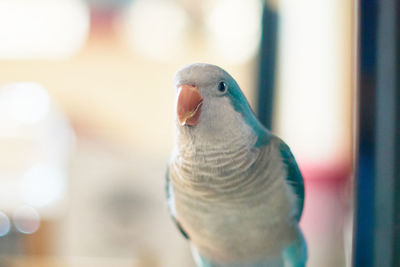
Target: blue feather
[241,105]
[295,255]
[294,177]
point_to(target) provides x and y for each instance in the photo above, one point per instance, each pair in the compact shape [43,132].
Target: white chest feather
[235,204]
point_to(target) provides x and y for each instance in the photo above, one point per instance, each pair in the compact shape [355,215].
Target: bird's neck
[204,149]
[205,168]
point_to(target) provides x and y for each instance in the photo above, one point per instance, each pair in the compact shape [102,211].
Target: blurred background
[86,119]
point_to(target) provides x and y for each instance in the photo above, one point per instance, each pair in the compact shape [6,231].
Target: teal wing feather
[294,177]
[296,254]
[169,193]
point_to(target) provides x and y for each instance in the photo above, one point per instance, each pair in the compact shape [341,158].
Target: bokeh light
[42,29]
[42,185]
[312,83]
[26,220]
[23,103]
[37,141]
[156,28]
[4,224]
[235,29]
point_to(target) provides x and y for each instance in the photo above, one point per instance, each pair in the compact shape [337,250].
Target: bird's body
[228,181]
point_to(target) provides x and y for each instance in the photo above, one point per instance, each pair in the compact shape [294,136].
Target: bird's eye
[222,87]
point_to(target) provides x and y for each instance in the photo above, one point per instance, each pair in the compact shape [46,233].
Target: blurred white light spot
[4,224]
[42,185]
[310,81]
[156,28]
[23,103]
[235,28]
[42,29]
[26,219]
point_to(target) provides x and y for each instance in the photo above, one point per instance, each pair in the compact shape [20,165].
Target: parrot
[233,188]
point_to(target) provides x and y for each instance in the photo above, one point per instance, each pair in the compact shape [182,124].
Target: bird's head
[211,105]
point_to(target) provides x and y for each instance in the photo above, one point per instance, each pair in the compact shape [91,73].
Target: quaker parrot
[234,189]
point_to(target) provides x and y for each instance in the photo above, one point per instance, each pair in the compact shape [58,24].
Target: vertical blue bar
[396,186]
[365,174]
[377,224]
[267,65]
[386,102]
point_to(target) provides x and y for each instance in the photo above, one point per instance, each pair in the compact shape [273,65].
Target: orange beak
[189,104]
